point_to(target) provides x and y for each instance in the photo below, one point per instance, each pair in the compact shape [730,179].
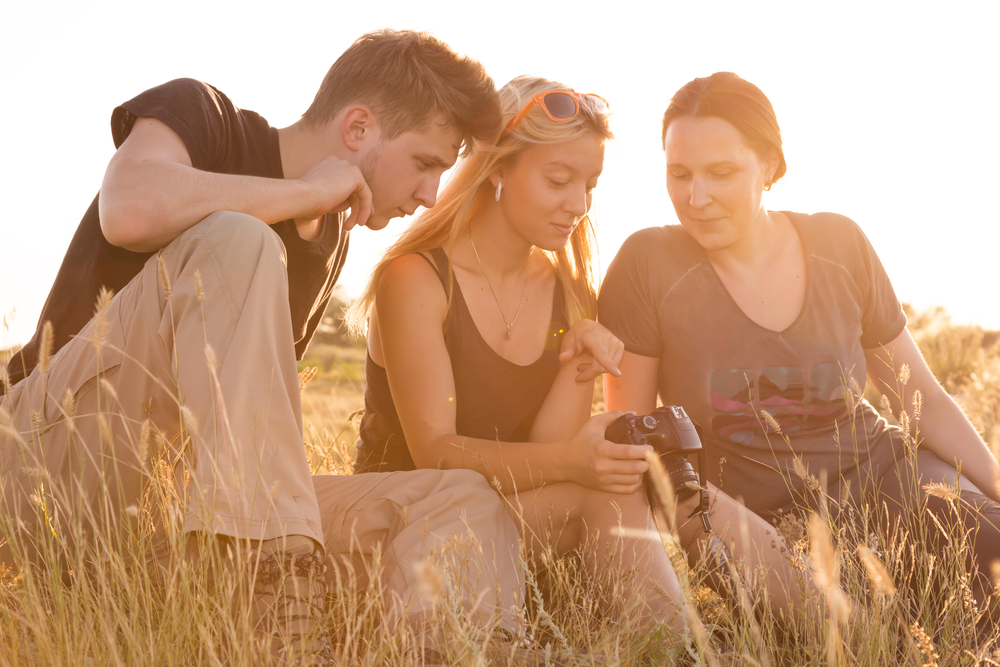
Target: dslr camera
[673,436]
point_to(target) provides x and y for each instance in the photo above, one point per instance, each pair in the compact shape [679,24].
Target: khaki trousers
[188,375]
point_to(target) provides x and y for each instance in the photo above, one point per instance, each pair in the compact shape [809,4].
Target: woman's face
[548,190]
[714,179]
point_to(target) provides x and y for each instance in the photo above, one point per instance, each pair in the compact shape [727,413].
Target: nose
[578,202]
[426,193]
[700,195]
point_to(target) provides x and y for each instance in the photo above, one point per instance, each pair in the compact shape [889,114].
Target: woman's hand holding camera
[587,336]
[599,464]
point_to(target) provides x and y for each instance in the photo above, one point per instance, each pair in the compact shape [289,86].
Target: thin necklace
[493,292]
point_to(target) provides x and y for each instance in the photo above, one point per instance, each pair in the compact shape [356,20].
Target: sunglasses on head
[558,105]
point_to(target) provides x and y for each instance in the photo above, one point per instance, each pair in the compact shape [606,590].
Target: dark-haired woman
[765,325]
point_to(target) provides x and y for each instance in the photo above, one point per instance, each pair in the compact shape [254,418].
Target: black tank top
[495,399]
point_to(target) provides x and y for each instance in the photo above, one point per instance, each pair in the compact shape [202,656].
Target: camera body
[672,435]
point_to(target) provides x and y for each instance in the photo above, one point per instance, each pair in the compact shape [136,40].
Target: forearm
[945,430]
[516,466]
[146,205]
[567,405]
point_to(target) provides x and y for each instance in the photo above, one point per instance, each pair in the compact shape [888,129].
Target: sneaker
[289,607]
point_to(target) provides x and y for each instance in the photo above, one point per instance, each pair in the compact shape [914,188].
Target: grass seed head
[99,324]
[800,470]
[37,472]
[105,429]
[199,288]
[824,559]
[431,580]
[904,421]
[305,377]
[187,417]
[877,574]
[854,393]
[943,491]
[771,421]
[928,653]
[161,266]
[45,348]
[68,403]
[885,407]
[904,374]
[109,390]
[145,433]
[213,362]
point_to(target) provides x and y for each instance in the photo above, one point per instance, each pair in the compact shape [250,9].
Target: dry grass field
[881,598]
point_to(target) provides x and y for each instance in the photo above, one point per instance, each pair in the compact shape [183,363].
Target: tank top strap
[438,260]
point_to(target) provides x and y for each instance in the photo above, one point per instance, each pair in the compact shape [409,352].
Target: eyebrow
[713,165]
[560,163]
[567,167]
[435,160]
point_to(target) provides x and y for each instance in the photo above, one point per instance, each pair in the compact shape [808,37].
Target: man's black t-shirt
[220,138]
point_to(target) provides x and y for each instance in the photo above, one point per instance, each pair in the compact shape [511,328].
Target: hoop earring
[499,190]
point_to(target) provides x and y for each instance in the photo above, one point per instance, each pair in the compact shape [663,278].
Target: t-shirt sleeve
[626,305]
[200,115]
[882,317]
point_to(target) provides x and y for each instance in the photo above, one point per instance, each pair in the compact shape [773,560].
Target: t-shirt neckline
[808,288]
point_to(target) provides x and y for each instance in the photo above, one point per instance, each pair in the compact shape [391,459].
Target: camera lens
[682,476]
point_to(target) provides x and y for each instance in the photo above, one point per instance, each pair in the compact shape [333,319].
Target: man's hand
[587,336]
[335,185]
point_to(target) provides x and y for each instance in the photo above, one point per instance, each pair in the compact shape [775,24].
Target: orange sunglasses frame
[539,99]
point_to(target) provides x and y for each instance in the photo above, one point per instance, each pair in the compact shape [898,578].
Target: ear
[771,165]
[495,178]
[358,128]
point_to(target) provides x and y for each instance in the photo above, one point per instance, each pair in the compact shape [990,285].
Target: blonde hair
[469,189]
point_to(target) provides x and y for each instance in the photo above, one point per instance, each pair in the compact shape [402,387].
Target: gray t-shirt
[663,298]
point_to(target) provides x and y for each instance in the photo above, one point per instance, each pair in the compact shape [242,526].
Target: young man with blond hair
[222,239]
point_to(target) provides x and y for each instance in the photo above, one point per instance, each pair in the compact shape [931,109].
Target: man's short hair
[406,78]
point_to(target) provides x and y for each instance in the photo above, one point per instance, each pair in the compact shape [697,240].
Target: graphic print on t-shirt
[739,396]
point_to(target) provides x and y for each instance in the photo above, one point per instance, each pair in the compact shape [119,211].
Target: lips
[704,221]
[564,229]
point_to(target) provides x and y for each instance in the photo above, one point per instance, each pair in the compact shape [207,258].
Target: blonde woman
[481,348]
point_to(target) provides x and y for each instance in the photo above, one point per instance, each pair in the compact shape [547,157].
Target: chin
[376,222]
[552,245]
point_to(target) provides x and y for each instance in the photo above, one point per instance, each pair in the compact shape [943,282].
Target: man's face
[404,173]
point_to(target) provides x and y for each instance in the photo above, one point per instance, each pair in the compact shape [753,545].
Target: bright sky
[889,112]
